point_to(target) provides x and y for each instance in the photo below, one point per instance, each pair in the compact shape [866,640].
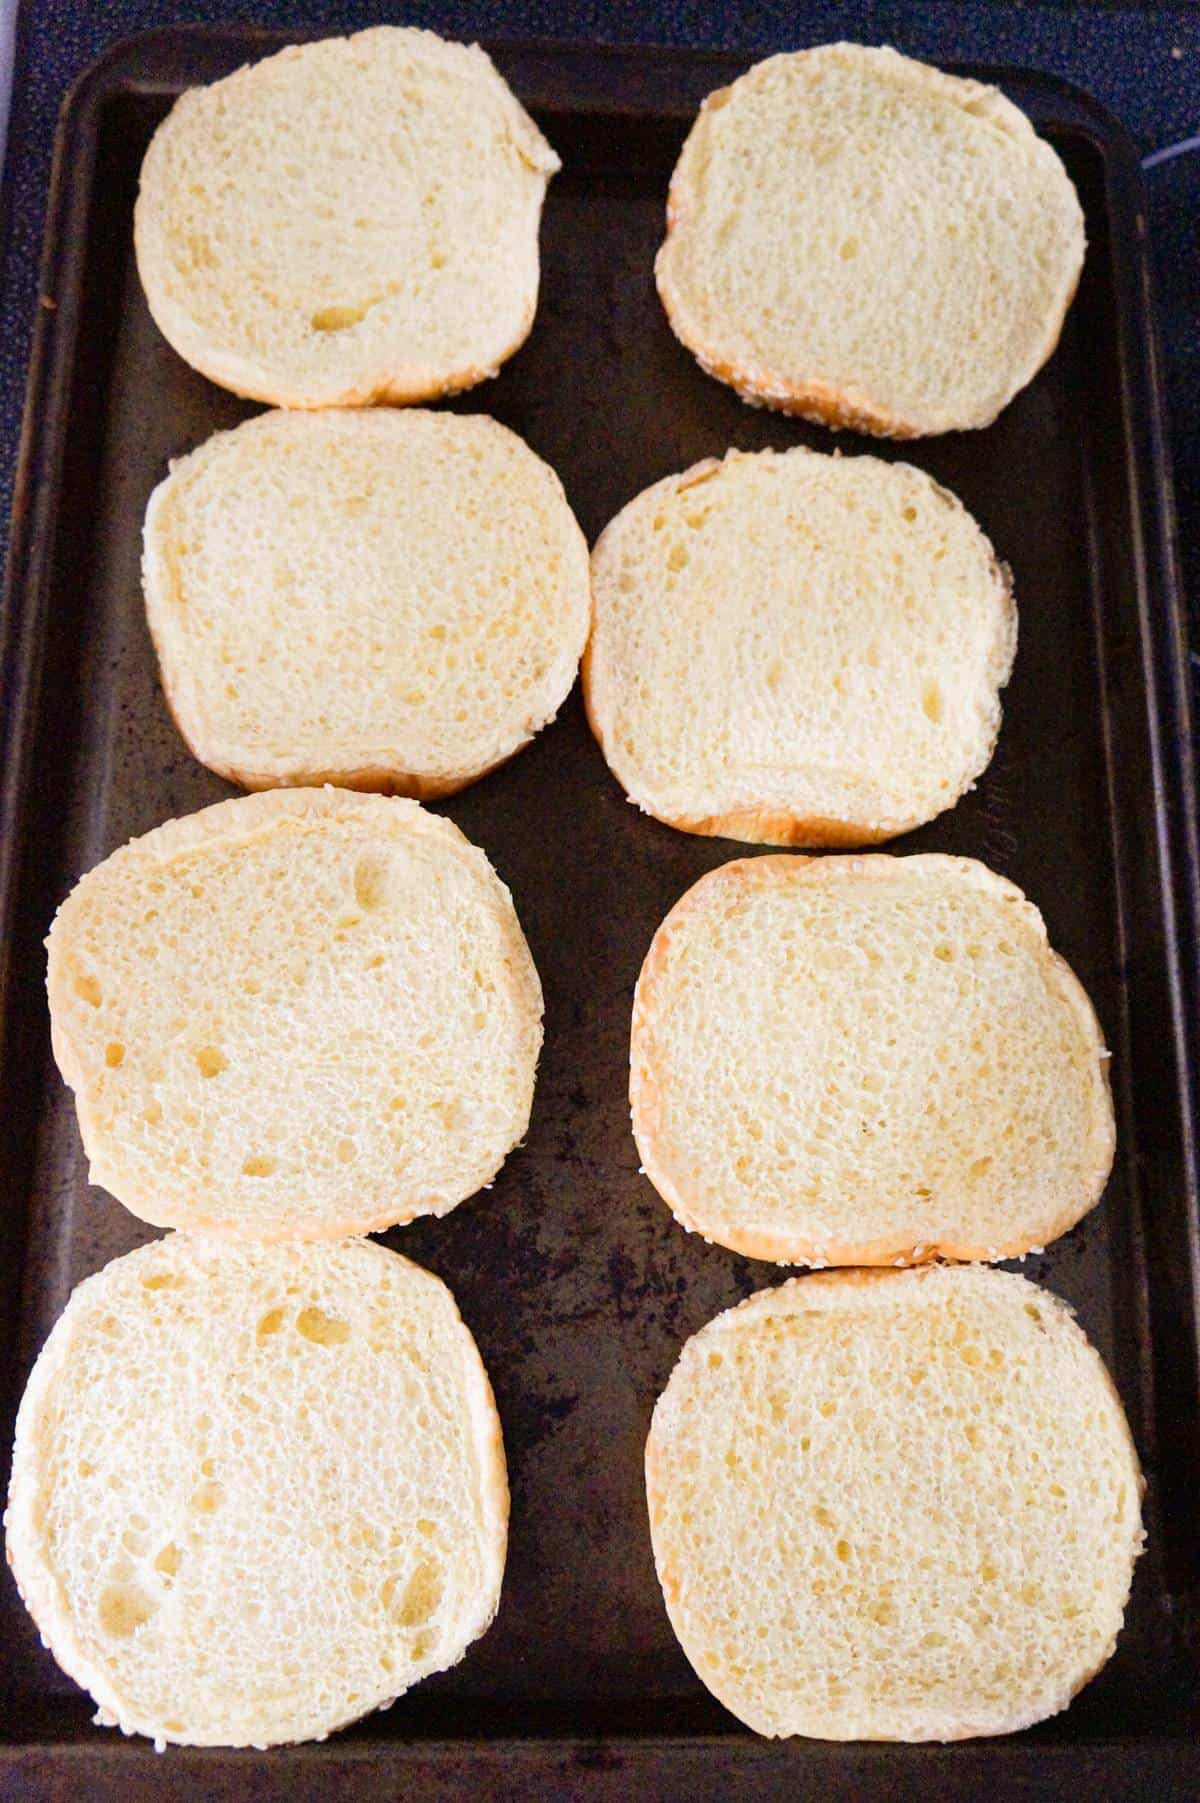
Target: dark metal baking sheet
[577,1284]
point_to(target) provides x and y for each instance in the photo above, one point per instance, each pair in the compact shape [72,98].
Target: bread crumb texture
[897,1506]
[296,1014]
[348,221]
[860,238]
[797,649]
[386,600]
[867,1060]
[257,1491]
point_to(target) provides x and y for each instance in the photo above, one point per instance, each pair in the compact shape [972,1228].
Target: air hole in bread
[259,1166]
[114,1054]
[370,882]
[339,319]
[134,1541]
[207,1497]
[322,1329]
[168,1560]
[88,988]
[413,1606]
[124,1608]
[211,1060]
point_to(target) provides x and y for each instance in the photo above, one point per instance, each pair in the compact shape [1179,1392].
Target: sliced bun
[797,649]
[346,222]
[861,239]
[865,1061]
[392,601]
[257,1491]
[295,1015]
[894,1506]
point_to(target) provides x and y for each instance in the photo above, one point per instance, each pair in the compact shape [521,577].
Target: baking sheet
[578,1285]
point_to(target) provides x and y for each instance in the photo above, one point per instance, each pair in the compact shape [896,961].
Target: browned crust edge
[841,409]
[395,387]
[366,779]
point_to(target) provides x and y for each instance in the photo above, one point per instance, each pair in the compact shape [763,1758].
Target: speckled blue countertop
[1142,61]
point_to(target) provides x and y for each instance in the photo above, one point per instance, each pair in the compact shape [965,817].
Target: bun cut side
[391,601]
[867,1061]
[861,239]
[894,1506]
[257,1491]
[347,222]
[796,649]
[296,1015]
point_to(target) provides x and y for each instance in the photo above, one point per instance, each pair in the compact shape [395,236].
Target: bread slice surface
[383,600]
[257,1491]
[862,239]
[299,1014]
[894,1505]
[346,222]
[797,649]
[867,1061]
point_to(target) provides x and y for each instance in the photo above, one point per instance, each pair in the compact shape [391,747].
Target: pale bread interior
[797,649]
[859,237]
[902,1506]
[257,1491]
[867,1060]
[348,221]
[293,1015]
[391,601]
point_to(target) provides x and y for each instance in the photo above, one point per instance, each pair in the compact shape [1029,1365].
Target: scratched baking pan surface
[571,1273]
